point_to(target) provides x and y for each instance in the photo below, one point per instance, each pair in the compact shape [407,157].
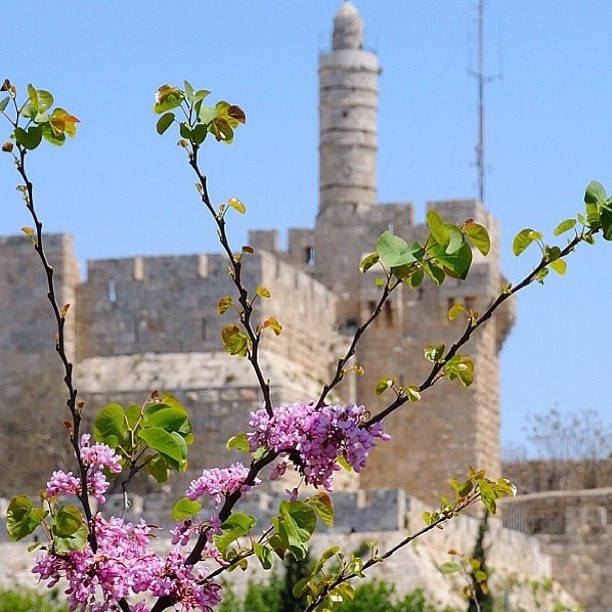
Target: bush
[29,600]
[372,596]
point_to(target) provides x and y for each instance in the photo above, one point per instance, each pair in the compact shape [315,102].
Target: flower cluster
[96,458]
[314,440]
[124,565]
[219,483]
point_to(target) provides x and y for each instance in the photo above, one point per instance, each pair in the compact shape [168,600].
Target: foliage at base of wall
[371,596]
[20,599]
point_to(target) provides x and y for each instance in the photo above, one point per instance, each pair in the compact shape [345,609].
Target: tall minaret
[348,92]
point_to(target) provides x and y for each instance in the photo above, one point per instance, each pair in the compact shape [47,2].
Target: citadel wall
[167,305]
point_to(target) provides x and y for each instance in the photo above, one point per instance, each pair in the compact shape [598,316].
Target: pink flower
[314,440]
[99,456]
[220,483]
[62,483]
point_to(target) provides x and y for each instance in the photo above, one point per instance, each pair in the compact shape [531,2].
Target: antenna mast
[482,80]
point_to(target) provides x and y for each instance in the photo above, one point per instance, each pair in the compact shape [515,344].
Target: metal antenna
[482,80]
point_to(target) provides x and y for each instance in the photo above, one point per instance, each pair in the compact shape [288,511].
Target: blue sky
[120,189]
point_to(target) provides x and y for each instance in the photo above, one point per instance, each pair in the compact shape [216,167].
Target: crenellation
[264,240]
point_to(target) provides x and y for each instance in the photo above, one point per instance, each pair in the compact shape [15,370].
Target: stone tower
[452,427]
[348,92]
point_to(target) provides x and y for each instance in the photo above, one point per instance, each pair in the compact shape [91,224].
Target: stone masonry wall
[574,528]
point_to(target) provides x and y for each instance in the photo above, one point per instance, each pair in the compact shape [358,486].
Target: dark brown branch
[339,373]
[380,558]
[60,342]
[436,370]
[236,275]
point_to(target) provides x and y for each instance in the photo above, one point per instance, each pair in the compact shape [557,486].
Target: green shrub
[21,599]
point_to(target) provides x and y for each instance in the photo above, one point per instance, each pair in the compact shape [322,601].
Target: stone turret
[348,92]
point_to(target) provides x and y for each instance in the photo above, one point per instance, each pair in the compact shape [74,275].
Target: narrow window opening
[351,325]
[112,291]
[141,325]
[371,308]
[203,329]
[389,315]
[309,256]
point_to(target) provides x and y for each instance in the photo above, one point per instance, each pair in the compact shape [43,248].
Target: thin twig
[434,374]
[60,342]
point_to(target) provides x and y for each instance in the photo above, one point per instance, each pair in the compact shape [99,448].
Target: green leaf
[434,272]
[201,94]
[455,264]
[412,393]
[184,130]
[450,567]
[171,420]
[437,227]
[564,226]
[541,275]
[109,425]
[523,239]
[132,415]
[224,304]
[29,138]
[460,368]
[234,341]
[40,99]
[595,194]
[479,237]
[455,310]
[433,352]
[274,325]
[415,278]
[235,526]
[390,247]
[559,266]
[606,223]
[456,239]
[368,261]
[198,133]
[182,444]
[236,204]
[57,139]
[4,103]
[300,586]
[395,251]
[164,122]
[383,384]
[264,554]
[158,468]
[22,518]
[167,97]
[296,525]
[68,530]
[165,444]
[67,521]
[321,503]
[184,508]
[238,442]
[189,92]
[262,291]
[207,114]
